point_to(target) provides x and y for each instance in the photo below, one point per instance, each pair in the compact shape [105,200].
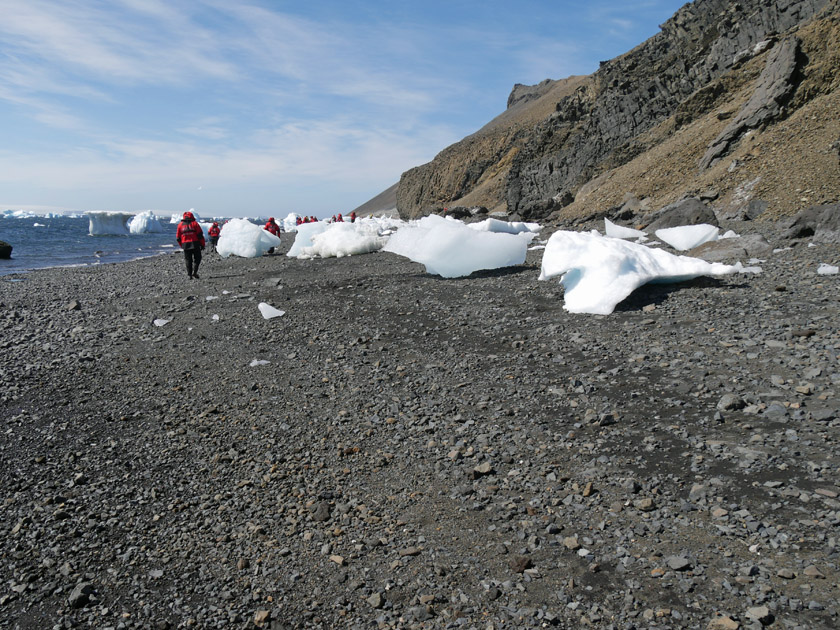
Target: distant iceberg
[145,223]
[290,222]
[177,216]
[108,223]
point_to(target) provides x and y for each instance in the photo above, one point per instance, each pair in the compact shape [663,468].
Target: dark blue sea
[40,242]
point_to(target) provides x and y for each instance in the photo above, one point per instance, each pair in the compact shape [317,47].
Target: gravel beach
[404,451]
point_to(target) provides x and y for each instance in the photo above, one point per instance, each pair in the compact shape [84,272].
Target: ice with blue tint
[145,223]
[103,222]
[240,237]
[451,249]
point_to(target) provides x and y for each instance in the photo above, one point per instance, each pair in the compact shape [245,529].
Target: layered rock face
[557,136]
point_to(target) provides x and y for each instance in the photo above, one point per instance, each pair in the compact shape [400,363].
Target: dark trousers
[192,255]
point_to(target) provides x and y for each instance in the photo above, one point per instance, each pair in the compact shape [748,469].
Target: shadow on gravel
[654,293]
[484,273]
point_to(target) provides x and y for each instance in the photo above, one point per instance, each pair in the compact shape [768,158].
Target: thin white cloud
[210,128]
[93,41]
[298,151]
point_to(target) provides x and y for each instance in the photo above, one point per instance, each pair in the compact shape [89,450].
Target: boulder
[5,250]
[690,211]
[733,249]
[820,223]
[745,211]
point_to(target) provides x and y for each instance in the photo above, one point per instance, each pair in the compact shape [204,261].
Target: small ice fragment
[618,231]
[211,297]
[269,311]
[827,270]
[687,237]
[161,322]
[215,318]
[258,362]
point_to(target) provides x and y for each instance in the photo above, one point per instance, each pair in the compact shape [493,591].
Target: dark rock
[520,564]
[5,250]
[733,249]
[80,595]
[689,211]
[679,563]
[482,470]
[821,223]
[457,212]
[321,511]
[743,211]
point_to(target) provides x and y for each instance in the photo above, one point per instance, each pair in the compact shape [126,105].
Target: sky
[250,108]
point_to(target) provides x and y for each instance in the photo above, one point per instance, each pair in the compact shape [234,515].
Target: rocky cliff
[732,102]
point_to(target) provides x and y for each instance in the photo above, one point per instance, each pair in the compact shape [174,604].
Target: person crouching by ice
[272,228]
[190,237]
[214,232]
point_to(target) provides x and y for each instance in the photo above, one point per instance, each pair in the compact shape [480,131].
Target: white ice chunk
[290,222]
[242,238]
[257,362]
[215,318]
[504,227]
[343,239]
[730,234]
[827,270]
[268,311]
[619,231]
[161,322]
[687,237]
[599,272]
[102,223]
[305,232]
[450,249]
[145,223]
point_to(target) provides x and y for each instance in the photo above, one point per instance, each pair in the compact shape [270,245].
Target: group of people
[336,218]
[190,236]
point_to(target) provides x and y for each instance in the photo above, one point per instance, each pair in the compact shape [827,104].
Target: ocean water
[40,242]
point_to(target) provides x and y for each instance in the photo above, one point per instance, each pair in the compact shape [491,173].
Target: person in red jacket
[271,226]
[190,237]
[214,232]
[353,216]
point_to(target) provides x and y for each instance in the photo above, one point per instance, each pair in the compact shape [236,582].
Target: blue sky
[267,107]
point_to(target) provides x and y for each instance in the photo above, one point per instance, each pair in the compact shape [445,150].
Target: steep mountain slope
[736,102]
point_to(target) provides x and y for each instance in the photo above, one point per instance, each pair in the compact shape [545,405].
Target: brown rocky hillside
[735,103]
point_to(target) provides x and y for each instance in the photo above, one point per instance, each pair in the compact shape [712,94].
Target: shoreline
[417,451]
[4,273]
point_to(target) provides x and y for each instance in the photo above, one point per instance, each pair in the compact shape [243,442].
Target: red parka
[189,231]
[272,227]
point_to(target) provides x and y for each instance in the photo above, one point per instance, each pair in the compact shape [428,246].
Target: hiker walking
[190,237]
